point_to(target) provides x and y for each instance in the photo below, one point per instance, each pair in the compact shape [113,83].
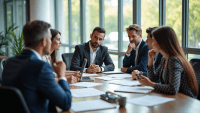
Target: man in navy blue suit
[34,77]
[136,57]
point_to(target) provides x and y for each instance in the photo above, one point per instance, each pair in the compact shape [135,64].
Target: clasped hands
[144,80]
[93,69]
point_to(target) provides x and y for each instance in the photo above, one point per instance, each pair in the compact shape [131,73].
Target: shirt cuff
[84,70]
[62,78]
[102,69]
[128,54]
[55,74]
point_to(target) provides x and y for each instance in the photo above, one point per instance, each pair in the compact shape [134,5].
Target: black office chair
[1,71]
[12,100]
[67,57]
[196,66]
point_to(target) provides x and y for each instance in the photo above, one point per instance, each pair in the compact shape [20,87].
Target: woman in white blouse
[51,58]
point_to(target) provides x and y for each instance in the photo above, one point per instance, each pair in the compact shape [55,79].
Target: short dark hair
[34,31]
[99,29]
[149,30]
[134,27]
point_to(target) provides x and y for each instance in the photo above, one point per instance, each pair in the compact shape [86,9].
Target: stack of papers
[150,100]
[85,84]
[126,82]
[89,75]
[86,92]
[120,76]
[107,78]
[91,105]
[113,72]
[145,89]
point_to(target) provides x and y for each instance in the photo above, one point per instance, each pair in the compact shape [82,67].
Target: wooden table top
[182,104]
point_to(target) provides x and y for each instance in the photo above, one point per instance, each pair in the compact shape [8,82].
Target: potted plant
[17,43]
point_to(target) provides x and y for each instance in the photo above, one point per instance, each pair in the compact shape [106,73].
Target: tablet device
[84,79]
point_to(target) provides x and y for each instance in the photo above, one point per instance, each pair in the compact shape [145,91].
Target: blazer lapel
[87,53]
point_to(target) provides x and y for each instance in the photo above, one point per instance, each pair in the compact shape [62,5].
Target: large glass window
[115,60]
[174,17]
[127,20]
[111,24]
[76,38]
[194,22]
[92,16]
[65,35]
[191,56]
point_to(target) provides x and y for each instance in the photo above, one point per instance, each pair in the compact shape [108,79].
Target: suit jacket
[142,59]
[174,79]
[35,79]
[83,51]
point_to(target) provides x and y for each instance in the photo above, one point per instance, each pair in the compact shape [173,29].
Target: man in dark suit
[94,52]
[158,56]
[136,57]
[34,77]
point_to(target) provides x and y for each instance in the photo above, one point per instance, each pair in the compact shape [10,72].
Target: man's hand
[151,56]
[93,69]
[123,69]
[59,68]
[77,73]
[130,47]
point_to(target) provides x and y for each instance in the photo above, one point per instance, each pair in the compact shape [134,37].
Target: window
[92,16]
[127,20]
[76,38]
[115,60]
[149,15]
[111,24]
[191,56]
[194,21]
[174,17]
[65,35]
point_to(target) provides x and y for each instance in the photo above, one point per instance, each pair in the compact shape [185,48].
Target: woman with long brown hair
[175,72]
[52,57]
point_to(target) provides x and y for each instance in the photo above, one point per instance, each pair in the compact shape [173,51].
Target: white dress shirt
[93,55]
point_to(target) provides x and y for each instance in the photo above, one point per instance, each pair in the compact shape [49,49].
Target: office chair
[196,66]
[12,100]
[1,71]
[67,57]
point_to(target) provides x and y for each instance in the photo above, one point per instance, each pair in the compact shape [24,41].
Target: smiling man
[94,52]
[136,57]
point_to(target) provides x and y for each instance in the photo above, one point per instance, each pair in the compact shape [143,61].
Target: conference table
[182,103]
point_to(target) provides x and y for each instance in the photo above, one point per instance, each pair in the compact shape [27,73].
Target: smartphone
[138,76]
[110,97]
[83,66]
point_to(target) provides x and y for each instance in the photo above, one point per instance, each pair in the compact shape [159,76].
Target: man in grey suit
[94,52]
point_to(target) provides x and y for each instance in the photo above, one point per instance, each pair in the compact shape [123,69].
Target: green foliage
[5,38]
[17,43]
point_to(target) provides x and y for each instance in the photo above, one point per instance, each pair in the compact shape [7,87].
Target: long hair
[168,42]
[53,55]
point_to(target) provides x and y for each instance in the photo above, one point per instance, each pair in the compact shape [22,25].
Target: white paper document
[145,89]
[120,75]
[150,100]
[106,78]
[85,84]
[89,75]
[91,105]
[86,92]
[113,72]
[126,82]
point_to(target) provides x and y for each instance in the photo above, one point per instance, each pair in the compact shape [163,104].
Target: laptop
[85,79]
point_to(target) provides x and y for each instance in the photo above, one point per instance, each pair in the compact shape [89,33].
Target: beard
[95,46]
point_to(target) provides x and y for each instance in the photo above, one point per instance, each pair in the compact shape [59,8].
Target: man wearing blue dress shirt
[34,77]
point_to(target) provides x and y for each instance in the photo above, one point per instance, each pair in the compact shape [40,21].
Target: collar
[138,45]
[36,53]
[91,48]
